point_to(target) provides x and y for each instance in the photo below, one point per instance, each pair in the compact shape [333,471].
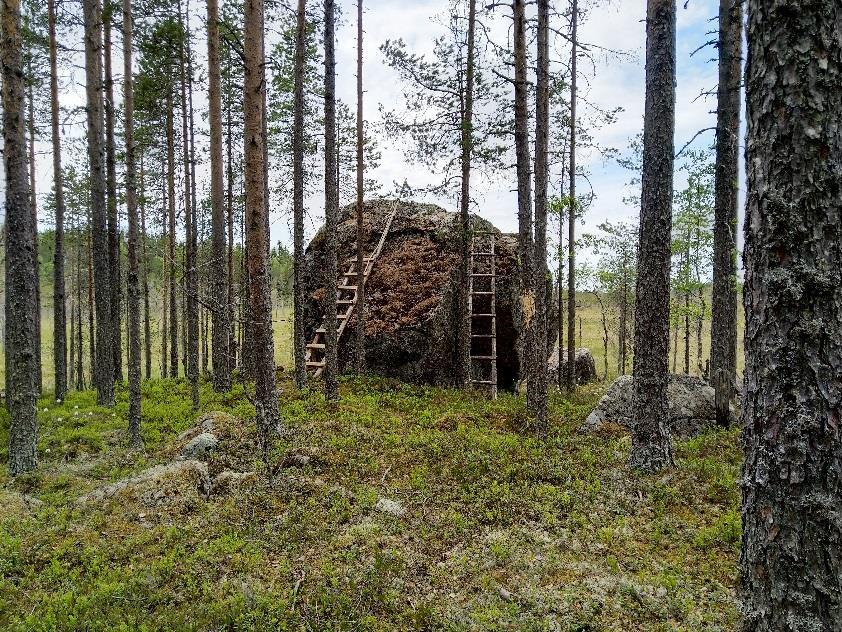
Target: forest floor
[499,531]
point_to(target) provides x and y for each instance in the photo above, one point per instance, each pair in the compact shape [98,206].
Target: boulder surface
[691,406]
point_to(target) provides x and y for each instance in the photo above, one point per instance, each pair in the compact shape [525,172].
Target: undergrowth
[502,531]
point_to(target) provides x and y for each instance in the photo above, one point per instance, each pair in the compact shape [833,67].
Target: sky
[610,81]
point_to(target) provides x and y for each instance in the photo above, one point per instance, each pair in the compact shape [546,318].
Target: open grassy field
[500,531]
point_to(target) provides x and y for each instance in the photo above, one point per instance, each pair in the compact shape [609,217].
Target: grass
[501,532]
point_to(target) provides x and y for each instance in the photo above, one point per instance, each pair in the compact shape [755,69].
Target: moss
[502,531]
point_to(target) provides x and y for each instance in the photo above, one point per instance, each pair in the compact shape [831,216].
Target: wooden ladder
[482,308]
[346,300]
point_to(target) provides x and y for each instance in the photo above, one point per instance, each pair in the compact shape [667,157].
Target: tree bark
[542,128]
[59,299]
[723,357]
[104,373]
[147,325]
[298,195]
[361,263]
[21,386]
[524,200]
[132,280]
[221,327]
[111,197]
[331,196]
[463,350]
[191,304]
[571,218]
[171,270]
[651,444]
[36,263]
[266,399]
[790,564]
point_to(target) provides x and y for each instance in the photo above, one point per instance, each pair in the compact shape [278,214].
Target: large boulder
[691,406]
[411,294]
[585,365]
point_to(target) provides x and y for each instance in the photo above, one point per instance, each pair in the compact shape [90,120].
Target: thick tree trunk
[723,356]
[171,269]
[229,207]
[298,341]
[524,200]
[571,217]
[132,281]
[361,254]
[221,328]
[80,374]
[542,127]
[21,386]
[91,318]
[266,398]
[331,195]
[104,373]
[165,275]
[111,197]
[59,300]
[463,324]
[651,444]
[791,568]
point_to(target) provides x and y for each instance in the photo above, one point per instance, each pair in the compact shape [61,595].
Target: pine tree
[298,197]
[723,356]
[132,280]
[59,300]
[651,444]
[571,215]
[21,386]
[101,281]
[331,206]
[266,399]
[790,566]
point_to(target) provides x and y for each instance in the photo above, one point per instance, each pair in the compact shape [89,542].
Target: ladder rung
[354,273]
[315,345]
[483,335]
[482,274]
[484,254]
[486,315]
[345,301]
[483,357]
[354,259]
[341,316]
[482,293]
[489,382]
[316,364]
[321,330]
[346,287]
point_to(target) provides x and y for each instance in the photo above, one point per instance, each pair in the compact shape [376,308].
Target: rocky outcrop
[691,406]
[411,294]
[585,365]
[158,485]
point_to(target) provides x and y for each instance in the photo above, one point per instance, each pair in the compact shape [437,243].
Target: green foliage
[577,539]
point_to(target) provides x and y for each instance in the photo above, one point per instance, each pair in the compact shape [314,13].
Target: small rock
[297,460]
[199,446]
[229,480]
[505,595]
[391,507]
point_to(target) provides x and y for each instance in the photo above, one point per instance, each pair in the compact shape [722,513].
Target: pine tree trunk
[147,325]
[298,342]
[331,195]
[104,373]
[111,197]
[571,218]
[463,324]
[165,285]
[221,328]
[191,305]
[132,281]
[80,373]
[651,444]
[21,387]
[723,356]
[91,306]
[59,300]
[171,271]
[361,254]
[524,199]
[231,304]
[789,561]
[542,126]
[266,399]
[33,200]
